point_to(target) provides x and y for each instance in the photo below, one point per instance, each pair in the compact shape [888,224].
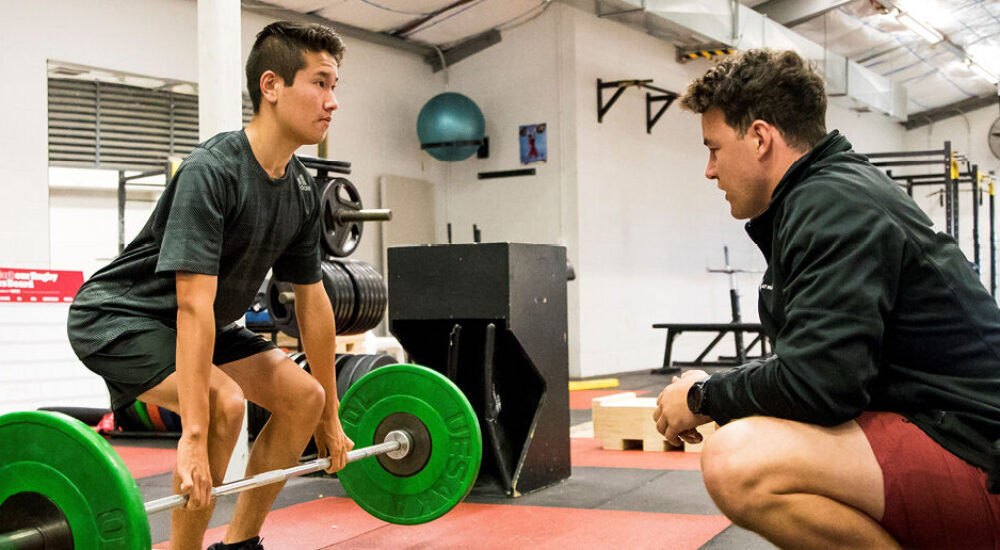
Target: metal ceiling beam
[792,12]
[413,24]
[463,49]
[278,12]
[930,116]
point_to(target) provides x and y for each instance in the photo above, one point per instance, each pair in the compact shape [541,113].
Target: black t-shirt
[221,214]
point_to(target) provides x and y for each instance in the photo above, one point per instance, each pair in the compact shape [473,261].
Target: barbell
[62,486]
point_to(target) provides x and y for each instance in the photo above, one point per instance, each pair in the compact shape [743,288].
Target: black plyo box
[521,290]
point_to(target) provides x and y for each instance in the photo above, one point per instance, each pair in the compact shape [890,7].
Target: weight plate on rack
[340,238]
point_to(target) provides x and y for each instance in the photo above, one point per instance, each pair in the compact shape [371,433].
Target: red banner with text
[38,285]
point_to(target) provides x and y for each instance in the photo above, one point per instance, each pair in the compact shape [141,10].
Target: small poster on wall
[533,143]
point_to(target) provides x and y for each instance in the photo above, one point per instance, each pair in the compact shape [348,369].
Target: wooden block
[350,344]
[623,421]
[353,344]
[285,341]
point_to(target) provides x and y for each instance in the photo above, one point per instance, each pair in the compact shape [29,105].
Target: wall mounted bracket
[665,96]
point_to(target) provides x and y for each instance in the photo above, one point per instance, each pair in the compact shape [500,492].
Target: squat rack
[949,174]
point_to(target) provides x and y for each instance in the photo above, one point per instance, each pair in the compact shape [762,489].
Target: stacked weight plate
[356,290]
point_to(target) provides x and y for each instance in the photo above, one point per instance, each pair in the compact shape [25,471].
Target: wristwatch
[697,397]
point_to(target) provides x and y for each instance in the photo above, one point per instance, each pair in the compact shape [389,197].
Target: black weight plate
[381,297]
[358,314]
[370,363]
[344,377]
[361,272]
[344,305]
[256,418]
[374,296]
[339,289]
[171,420]
[362,296]
[282,315]
[365,272]
[340,238]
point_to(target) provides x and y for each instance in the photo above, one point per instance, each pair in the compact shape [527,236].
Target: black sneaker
[249,544]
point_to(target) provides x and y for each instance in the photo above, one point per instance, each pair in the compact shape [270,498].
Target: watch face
[694,397]
[994,138]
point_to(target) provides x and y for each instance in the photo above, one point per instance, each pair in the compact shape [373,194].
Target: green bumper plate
[65,461]
[456,444]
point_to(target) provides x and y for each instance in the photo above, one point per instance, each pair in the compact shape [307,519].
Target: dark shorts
[136,362]
[933,499]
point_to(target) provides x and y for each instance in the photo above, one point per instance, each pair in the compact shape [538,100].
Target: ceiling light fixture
[981,71]
[919,28]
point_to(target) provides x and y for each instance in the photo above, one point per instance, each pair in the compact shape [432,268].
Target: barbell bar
[396,440]
[369,215]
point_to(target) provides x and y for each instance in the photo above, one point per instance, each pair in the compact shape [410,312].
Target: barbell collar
[372,215]
[395,440]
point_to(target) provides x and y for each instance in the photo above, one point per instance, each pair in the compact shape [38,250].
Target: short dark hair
[279,48]
[778,87]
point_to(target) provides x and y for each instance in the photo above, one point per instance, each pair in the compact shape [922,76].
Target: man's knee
[305,402]
[738,477]
[228,406]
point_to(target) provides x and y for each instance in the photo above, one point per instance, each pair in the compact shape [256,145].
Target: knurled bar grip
[274,476]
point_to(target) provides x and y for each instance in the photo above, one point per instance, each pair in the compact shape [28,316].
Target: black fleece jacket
[869,309]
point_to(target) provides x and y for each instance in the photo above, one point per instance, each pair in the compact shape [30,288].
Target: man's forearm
[318,332]
[195,342]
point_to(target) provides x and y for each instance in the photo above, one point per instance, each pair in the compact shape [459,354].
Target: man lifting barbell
[874,422]
[157,322]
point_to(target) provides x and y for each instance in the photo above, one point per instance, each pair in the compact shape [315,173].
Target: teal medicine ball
[449,118]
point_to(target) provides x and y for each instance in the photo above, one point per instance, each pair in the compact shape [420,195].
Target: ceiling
[440,23]
[936,71]
[937,76]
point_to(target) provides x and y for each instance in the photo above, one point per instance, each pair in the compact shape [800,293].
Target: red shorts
[933,499]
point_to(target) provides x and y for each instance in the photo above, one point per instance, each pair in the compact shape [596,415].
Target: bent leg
[187,527]
[798,485]
[295,400]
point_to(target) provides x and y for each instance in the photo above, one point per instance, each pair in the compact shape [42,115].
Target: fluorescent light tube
[920,29]
[980,70]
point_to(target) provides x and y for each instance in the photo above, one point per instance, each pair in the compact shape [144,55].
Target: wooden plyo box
[623,421]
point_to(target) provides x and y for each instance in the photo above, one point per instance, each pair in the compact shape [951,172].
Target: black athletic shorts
[136,362]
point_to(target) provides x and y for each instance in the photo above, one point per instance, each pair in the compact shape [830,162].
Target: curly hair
[279,46]
[778,87]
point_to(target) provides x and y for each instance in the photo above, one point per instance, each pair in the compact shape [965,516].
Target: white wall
[640,221]
[650,223]
[380,89]
[514,83]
